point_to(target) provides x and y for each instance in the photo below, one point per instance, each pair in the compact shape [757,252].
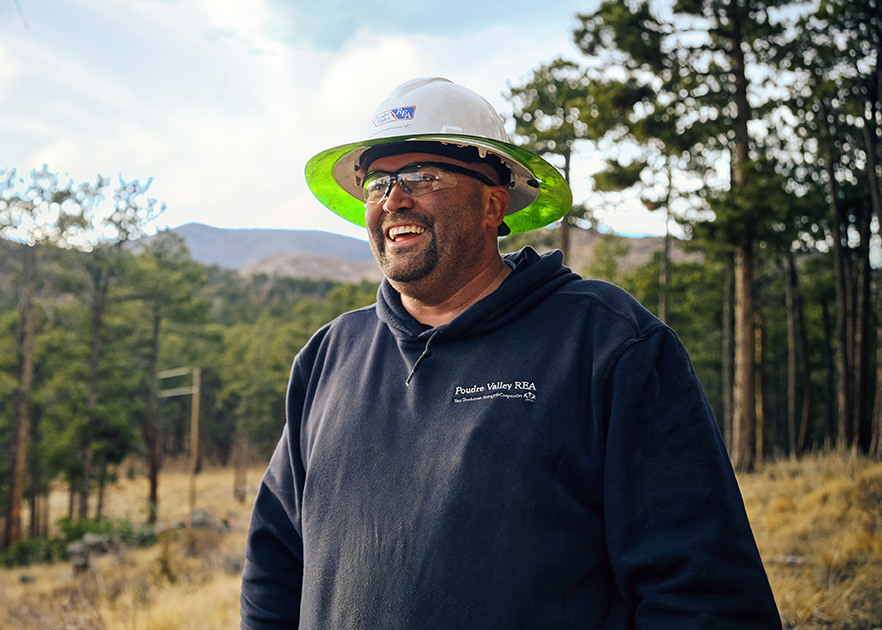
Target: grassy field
[818,524]
[189,581]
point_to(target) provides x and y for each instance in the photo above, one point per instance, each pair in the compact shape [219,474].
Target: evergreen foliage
[787,176]
[242,332]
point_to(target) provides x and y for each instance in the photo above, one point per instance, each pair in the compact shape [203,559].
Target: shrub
[75,528]
[34,551]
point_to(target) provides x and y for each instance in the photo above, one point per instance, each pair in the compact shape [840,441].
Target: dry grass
[189,581]
[817,521]
[818,525]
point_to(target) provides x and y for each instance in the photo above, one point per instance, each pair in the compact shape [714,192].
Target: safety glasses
[416,179]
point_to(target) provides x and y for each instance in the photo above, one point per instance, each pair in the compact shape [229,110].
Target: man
[496,443]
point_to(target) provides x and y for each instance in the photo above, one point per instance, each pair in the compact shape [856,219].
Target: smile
[404,230]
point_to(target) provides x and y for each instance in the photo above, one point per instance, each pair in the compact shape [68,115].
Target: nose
[396,199]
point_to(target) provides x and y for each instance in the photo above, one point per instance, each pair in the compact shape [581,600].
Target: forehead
[394,162]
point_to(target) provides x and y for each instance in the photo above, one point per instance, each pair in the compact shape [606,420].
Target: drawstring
[425,355]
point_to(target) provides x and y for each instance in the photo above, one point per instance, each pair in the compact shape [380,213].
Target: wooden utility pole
[192,391]
[194,436]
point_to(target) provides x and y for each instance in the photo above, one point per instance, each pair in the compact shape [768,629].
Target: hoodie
[547,459]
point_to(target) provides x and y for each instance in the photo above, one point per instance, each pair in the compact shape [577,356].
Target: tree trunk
[861,331]
[792,377]
[102,484]
[36,473]
[100,285]
[728,350]
[830,431]
[45,520]
[871,151]
[744,398]
[876,434]
[760,376]
[22,399]
[150,430]
[807,388]
[744,403]
[843,367]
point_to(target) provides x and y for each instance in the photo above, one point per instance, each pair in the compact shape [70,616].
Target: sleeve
[272,577]
[681,548]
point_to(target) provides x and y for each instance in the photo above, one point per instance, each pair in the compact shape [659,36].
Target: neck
[479,287]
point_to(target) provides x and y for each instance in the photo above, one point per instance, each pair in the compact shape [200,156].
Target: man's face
[436,236]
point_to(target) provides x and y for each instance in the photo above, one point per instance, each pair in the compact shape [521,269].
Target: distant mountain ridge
[315,254]
[297,253]
[234,249]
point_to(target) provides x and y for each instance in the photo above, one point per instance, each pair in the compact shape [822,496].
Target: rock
[26,578]
[199,519]
[99,543]
[80,563]
[77,548]
[78,552]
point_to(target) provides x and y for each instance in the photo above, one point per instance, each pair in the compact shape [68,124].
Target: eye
[375,187]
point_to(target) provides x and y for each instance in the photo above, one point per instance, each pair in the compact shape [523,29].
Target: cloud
[223,112]
[333,24]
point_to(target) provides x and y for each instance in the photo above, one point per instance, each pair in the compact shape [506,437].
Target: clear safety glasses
[416,179]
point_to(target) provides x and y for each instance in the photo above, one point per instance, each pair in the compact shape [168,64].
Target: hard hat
[438,111]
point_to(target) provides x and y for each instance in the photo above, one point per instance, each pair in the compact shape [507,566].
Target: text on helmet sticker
[391,115]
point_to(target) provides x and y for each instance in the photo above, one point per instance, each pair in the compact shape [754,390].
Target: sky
[223,102]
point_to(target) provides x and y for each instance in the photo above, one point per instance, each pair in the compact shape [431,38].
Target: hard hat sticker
[391,115]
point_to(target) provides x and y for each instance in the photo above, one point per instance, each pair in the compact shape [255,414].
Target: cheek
[373,218]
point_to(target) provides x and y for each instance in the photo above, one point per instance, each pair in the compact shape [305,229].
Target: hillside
[295,253]
[312,254]
[234,249]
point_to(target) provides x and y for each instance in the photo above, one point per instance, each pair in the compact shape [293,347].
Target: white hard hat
[450,118]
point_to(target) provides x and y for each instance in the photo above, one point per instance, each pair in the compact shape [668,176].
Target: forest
[754,127]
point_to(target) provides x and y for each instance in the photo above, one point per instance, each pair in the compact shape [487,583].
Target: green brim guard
[530,172]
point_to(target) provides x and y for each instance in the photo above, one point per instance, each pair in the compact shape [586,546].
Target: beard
[455,241]
[407,266]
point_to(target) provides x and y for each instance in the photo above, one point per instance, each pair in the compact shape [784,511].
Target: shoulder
[340,334]
[610,305]
[345,327]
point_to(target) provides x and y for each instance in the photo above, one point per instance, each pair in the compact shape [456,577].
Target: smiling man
[496,443]
[437,250]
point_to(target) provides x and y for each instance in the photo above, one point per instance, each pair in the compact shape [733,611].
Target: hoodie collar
[533,278]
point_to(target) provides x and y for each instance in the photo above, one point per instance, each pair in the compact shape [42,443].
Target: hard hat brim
[540,194]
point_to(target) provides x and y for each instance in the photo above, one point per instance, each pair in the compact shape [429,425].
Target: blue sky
[223,102]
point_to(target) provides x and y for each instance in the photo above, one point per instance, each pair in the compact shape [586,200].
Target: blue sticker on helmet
[391,115]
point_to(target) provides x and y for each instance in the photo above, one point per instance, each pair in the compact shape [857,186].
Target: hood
[532,279]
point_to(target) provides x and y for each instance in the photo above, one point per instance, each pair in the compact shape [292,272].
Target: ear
[496,203]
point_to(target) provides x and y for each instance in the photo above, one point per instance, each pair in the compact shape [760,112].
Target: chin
[403,274]
[413,267]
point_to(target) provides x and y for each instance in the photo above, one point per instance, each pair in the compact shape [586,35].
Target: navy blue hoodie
[547,459]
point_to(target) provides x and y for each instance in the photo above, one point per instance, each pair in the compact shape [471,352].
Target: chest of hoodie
[496,423]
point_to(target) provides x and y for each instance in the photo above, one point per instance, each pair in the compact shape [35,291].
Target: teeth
[405,229]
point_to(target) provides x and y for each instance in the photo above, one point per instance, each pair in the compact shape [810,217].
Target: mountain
[314,254]
[233,249]
[297,253]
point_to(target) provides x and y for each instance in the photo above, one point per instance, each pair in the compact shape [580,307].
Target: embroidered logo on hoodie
[522,390]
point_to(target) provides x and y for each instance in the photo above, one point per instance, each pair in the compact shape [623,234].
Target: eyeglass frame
[444,166]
